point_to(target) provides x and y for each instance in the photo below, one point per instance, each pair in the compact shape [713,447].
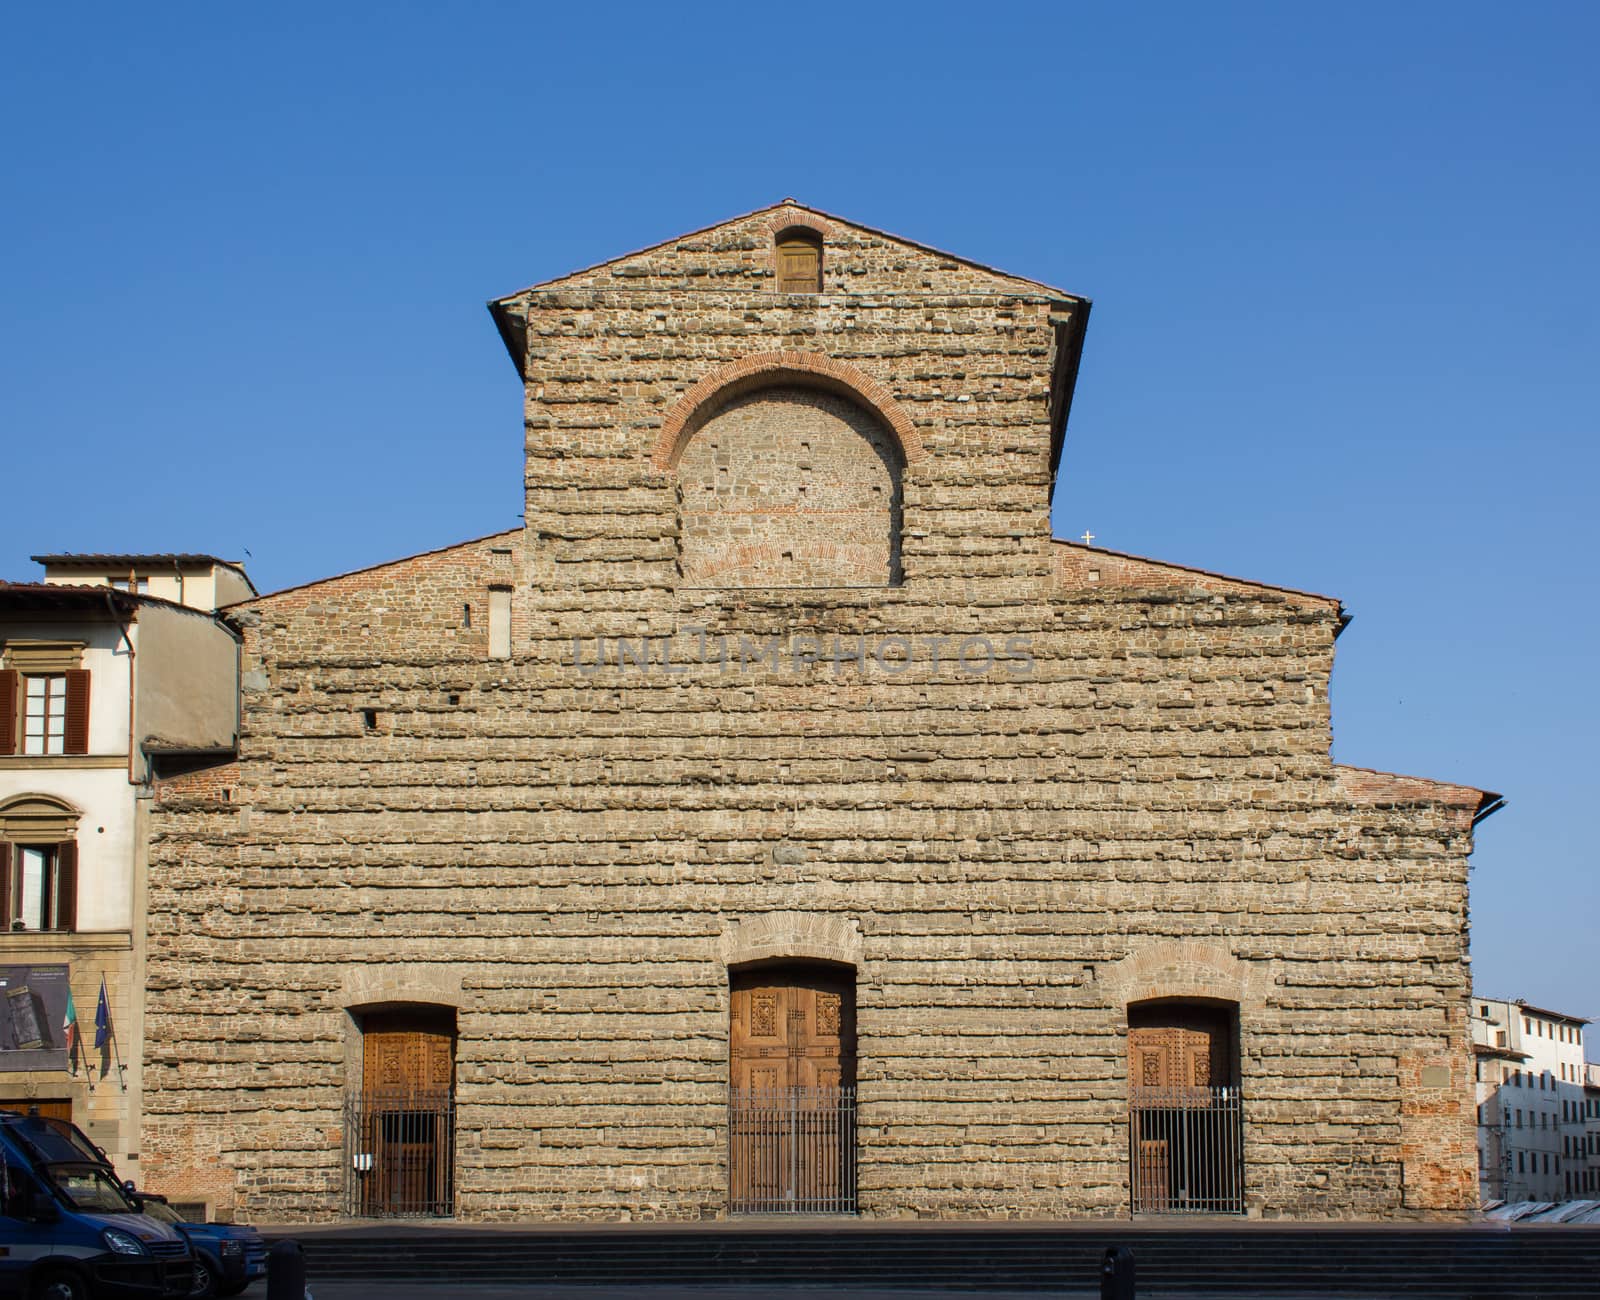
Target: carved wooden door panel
[792,1031]
[408,1059]
[1151,1065]
[1177,1058]
[759,1044]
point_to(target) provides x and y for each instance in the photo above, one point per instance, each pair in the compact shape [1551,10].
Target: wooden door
[1183,1111]
[792,1055]
[408,1080]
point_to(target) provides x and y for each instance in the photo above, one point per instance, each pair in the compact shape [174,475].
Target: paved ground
[443,1290]
[438,1291]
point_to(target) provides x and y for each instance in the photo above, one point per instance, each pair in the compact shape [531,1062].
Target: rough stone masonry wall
[1136,802]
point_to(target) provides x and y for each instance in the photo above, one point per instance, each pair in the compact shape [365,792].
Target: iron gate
[400,1153]
[1186,1151]
[792,1150]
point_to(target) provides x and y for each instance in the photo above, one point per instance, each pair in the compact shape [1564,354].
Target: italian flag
[69,1028]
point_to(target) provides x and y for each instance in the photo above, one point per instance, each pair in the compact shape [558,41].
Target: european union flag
[102,1017]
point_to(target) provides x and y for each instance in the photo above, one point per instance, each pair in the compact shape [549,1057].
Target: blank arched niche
[789,483]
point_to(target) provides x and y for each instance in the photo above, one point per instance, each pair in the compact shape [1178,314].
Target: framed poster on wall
[33,1008]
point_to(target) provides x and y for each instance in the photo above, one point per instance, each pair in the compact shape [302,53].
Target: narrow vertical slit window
[499,622]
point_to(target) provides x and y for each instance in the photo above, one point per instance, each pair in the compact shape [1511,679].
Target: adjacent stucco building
[782,819]
[1537,1108]
[101,690]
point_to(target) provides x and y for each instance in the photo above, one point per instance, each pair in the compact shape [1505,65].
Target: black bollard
[1116,1274]
[286,1271]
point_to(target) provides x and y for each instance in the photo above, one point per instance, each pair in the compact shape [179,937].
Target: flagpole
[104,1027]
[116,1050]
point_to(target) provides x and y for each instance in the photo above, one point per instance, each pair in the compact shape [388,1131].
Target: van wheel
[59,1286]
[205,1281]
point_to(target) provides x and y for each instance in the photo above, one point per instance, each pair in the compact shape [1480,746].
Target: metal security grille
[792,1151]
[1186,1151]
[400,1149]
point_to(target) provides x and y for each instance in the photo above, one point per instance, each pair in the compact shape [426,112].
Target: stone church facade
[784,813]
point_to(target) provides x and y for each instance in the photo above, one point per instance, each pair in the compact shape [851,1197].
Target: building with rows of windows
[1538,1104]
[114,670]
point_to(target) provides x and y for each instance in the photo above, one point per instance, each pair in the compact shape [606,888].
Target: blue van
[68,1231]
[227,1256]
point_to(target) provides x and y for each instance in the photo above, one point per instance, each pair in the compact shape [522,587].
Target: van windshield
[86,1187]
[159,1211]
[54,1139]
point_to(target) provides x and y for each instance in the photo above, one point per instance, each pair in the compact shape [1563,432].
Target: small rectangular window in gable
[799,262]
[499,622]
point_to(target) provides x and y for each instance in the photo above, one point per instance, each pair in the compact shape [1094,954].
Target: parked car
[67,1229]
[227,1256]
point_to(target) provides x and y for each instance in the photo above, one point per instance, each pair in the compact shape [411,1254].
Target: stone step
[1533,1261]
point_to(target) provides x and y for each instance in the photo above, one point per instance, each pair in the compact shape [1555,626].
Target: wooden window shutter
[66,886]
[50,893]
[8,710]
[799,265]
[5,887]
[77,737]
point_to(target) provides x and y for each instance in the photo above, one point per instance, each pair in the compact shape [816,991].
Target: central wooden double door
[791,1120]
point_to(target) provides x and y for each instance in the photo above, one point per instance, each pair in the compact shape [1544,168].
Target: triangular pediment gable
[737,255]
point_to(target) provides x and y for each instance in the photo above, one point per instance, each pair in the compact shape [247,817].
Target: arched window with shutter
[38,864]
[799,261]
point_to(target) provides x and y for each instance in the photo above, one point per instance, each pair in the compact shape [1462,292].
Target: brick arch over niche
[770,369]
[787,476]
[789,487]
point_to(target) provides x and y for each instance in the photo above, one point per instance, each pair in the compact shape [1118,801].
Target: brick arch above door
[800,936]
[405,982]
[1186,968]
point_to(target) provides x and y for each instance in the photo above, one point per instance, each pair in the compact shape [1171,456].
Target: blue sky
[1343,261]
